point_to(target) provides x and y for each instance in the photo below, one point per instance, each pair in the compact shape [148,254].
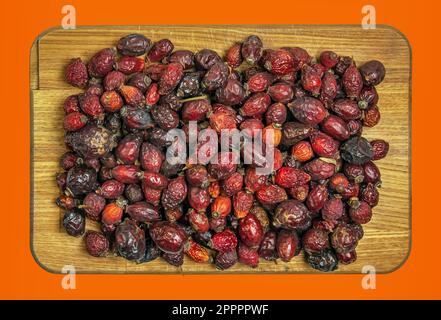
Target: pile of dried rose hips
[322,189]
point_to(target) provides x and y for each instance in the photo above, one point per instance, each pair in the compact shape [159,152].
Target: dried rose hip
[80,180]
[76,73]
[224,241]
[143,212]
[279,62]
[225,260]
[175,193]
[101,63]
[111,189]
[324,145]
[169,237]
[271,195]
[380,148]
[71,104]
[373,72]
[281,92]
[198,221]
[371,116]
[130,240]
[329,59]
[133,193]
[352,81]
[127,151]
[199,199]
[315,240]
[250,231]
[66,202]
[90,105]
[97,244]
[336,127]
[308,110]
[252,49]
[320,169]
[287,177]
[196,110]
[160,50]
[317,198]
[231,94]
[347,109]
[325,260]
[74,222]
[329,88]
[129,65]
[291,214]
[356,150]
[360,213]
[287,245]
[133,45]
[267,249]
[368,97]
[333,209]
[311,80]
[371,172]
[242,203]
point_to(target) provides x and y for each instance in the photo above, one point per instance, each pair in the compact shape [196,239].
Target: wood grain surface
[387,237]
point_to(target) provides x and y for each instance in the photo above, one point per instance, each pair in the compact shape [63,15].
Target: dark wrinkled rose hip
[76,73]
[97,244]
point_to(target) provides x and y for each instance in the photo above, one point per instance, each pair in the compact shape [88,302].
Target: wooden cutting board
[386,243]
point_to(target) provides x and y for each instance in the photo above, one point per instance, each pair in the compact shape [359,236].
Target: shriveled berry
[254,181]
[279,62]
[317,198]
[344,239]
[196,110]
[130,65]
[130,240]
[216,77]
[336,127]
[225,260]
[126,173]
[346,109]
[361,213]
[136,118]
[288,177]
[248,256]
[252,49]
[111,101]
[356,150]
[160,50]
[205,58]
[276,114]
[354,172]
[127,151]
[373,72]
[338,182]
[299,192]
[292,215]
[151,195]
[271,195]
[81,180]
[133,193]
[324,145]
[175,193]
[325,260]
[368,97]
[184,57]
[320,169]
[311,80]
[74,223]
[352,81]
[197,252]
[198,199]
[329,88]
[256,104]
[329,59]
[231,94]
[259,82]
[250,231]
[371,172]
[134,44]
[308,110]
[232,184]
[90,105]
[169,237]
[111,189]
[165,117]
[101,63]
[221,207]
[287,245]
[224,241]
[371,116]
[343,63]
[242,203]
[175,259]
[333,209]
[143,212]
[170,78]
[347,257]
[380,148]
[151,157]
[226,165]
[76,73]
[97,244]
[66,202]
[281,92]
[198,221]
[267,249]
[315,240]
[71,104]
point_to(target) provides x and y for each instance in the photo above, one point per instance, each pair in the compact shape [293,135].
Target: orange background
[20,277]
